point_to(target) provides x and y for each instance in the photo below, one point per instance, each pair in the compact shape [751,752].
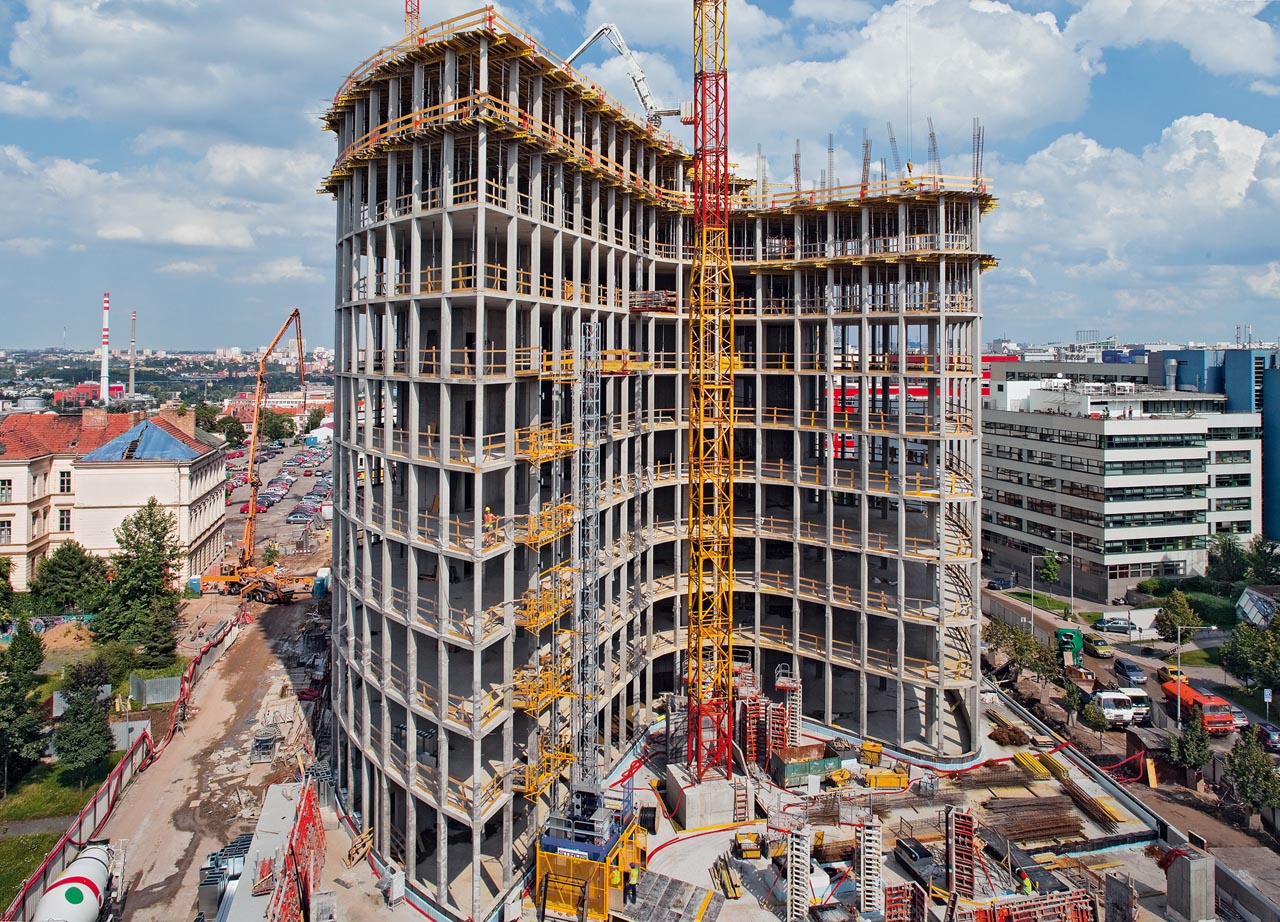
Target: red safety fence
[89,824]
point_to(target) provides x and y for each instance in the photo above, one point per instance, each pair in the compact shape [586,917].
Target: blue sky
[168,151]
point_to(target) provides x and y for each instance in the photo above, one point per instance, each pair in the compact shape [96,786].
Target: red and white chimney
[104,380]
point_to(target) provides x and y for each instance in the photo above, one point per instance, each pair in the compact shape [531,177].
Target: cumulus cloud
[1138,238]
[186,267]
[1222,36]
[285,269]
[20,99]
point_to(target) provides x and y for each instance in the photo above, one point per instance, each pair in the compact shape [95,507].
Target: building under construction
[526,364]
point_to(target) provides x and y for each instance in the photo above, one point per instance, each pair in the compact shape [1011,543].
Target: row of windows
[1035,433]
[1233,480]
[1157,440]
[1157,545]
[1233,504]
[6,525]
[1172,466]
[1235,433]
[1151,519]
[6,486]
[1143,570]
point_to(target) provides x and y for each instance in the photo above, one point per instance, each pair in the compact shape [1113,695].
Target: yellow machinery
[870,754]
[575,879]
[709,679]
[747,844]
[887,779]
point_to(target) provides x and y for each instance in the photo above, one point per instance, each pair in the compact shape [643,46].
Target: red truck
[1215,712]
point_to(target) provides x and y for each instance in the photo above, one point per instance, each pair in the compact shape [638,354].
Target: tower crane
[653,112]
[412,18]
[709,664]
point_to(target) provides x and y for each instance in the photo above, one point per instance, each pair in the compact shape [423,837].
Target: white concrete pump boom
[653,113]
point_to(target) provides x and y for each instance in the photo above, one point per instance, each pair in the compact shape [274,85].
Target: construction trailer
[801,487]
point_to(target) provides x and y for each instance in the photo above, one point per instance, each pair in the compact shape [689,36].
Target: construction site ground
[689,855]
[203,791]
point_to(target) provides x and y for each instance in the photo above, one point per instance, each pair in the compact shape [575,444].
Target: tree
[1074,699]
[1264,566]
[1049,569]
[206,416]
[24,657]
[1227,559]
[6,588]
[144,568]
[276,425]
[270,553]
[1190,748]
[156,633]
[1094,719]
[1175,614]
[314,419]
[1252,774]
[83,738]
[233,430]
[69,578]
[21,730]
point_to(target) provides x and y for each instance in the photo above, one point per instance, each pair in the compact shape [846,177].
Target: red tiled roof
[32,435]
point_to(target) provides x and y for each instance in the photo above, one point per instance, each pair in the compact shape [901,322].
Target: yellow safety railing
[537,444]
[551,598]
[545,526]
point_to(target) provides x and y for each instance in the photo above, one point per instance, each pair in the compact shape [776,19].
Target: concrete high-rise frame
[489,201]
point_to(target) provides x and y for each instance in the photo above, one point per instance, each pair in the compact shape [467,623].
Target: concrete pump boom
[255,440]
[652,111]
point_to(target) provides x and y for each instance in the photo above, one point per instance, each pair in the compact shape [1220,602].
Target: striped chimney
[104,380]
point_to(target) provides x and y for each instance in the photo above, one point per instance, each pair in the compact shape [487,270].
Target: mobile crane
[263,584]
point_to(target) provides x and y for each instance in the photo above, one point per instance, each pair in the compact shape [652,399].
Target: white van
[1116,707]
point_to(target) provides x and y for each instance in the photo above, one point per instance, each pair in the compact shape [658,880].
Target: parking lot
[273,521]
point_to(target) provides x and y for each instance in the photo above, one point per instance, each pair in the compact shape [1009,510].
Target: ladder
[741,802]
[799,853]
[870,867]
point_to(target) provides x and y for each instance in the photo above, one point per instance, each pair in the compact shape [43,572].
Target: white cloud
[1222,36]
[27,246]
[831,10]
[285,269]
[20,99]
[1137,241]
[1267,283]
[1265,88]
[186,267]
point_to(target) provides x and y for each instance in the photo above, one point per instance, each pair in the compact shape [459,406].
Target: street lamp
[1179,628]
[1034,558]
[1071,611]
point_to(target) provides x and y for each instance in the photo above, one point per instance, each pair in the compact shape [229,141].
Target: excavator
[240,576]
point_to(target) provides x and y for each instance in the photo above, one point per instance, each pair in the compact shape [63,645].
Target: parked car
[1129,672]
[1268,736]
[299,518]
[1167,673]
[244,509]
[1000,583]
[1098,646]
[1115,626]
[1240,718]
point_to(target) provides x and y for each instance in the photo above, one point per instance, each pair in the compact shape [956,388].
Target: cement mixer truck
[84,889]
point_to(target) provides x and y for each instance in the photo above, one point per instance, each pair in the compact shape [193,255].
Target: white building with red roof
[76,478]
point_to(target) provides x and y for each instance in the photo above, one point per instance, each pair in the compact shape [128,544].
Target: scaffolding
[548,524]
[546,602]
[785,681]
[962,855]
[538,444]
[1071,906]
[870,867]
[553,756]
[905,903]
[533,687]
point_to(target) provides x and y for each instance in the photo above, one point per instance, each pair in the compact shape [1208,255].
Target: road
[271,523]
[1046,623]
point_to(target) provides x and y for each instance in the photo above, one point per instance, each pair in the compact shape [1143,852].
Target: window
[64,520]
[6,531]
[64,481]
[6,491]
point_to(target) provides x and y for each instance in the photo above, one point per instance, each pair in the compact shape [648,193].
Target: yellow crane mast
[709,675]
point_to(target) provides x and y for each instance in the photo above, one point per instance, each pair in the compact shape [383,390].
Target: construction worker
[1026,883]
[633,884]
[490,523]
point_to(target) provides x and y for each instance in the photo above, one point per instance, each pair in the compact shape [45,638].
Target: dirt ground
[202,791]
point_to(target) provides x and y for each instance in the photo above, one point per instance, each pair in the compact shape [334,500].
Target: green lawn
[1046,602]
[1194,656]
[46,792]
[19,857]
